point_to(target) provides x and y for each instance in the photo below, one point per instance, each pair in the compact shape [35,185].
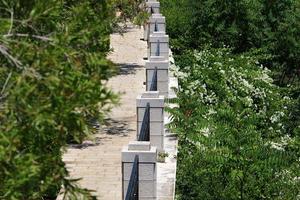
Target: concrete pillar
[156,23]
[147,169]
[162,67]
[158,45]
[156,103]
[152,6]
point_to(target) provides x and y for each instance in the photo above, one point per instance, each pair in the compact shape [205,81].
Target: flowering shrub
[233,142]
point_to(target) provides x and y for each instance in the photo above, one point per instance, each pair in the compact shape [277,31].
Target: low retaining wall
[162,143]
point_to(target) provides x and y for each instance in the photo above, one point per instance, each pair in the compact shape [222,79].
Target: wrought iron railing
[133,186]
[145,128]
[153,85]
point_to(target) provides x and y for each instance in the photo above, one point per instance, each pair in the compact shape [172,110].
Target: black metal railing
[145,128]
[133,186]
[151,10]
[157,53]
[155,27]
[153,85]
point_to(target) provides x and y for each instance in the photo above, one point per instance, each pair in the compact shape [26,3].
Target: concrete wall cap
[157,59]
[150,94]
[139,146]
[158,65]
[157,15]
[162,37]
[154,102]
[153,4]
[144,156]
[159,20]
[159,34]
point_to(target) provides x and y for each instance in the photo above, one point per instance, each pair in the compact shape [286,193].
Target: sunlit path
[98,162]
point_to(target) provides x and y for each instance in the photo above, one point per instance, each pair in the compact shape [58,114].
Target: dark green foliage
[131,10]
[234,142]
[238,131]
[53,74]
[272,26]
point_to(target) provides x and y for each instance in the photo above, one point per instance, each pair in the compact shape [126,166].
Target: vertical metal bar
[155,27]
[145,128]
[133,185]
[157,53]
[137,177]
[123,192]
[153,86]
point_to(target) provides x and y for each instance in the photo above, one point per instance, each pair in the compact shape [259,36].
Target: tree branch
[11,21]
[5,83]
[4,52]
[43,38]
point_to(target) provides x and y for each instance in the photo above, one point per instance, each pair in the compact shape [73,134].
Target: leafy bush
[234,142]
[272,26]
[238,131]
[130,10]
[53,79]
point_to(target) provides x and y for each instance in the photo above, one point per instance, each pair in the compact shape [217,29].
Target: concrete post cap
[159,34]
[139,146]
[150,94]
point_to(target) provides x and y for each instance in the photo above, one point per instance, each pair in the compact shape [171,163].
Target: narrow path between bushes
[98,162]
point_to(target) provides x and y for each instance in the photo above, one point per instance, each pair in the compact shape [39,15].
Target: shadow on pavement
[126,69]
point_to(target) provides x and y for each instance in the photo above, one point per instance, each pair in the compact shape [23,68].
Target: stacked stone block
[147,168]
[156,102]
[158,45]
[162,66]
[156,23]
[152,6]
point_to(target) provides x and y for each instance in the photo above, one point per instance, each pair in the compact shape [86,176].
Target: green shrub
[52,79]
[234,142]
[272,26]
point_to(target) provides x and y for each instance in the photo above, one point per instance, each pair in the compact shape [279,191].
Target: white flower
[280,145]
[265,77]
[259,93]
[211,111]
[248,101]
[205,131]
[200,146]
[276,116]
[286,98]
[277,146]
[181,75]
[218,64]
[247,84]
[286,139]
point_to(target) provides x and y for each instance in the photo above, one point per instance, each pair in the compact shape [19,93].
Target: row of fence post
[139,158]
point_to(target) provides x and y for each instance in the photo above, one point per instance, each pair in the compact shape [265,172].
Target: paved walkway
[98,163]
